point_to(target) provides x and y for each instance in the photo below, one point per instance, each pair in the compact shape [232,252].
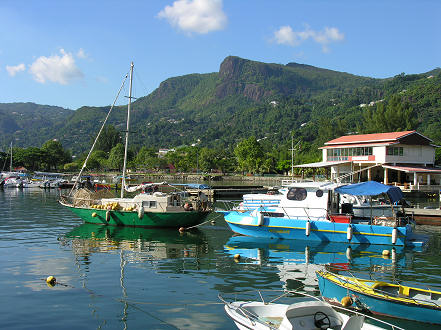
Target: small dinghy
[305,312]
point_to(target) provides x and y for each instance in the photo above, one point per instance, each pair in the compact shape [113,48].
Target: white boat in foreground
[306,312]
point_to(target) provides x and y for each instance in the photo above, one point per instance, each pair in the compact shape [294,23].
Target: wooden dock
[425,216]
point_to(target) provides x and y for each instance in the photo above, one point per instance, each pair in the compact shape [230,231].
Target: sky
[76,53]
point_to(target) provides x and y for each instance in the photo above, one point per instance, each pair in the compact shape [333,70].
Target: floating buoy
[394,235]
[385,253]
[213,222]
[307,228]
[237,257]
[108,215]
[141,213]
[260,218]
[394,254]
[346,301]
[181,230]
[349,233]
[51,281]
[93,214]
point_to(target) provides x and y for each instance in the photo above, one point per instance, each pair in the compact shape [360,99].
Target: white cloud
[59,69]
[13,70]
[198,16]
[287,36]
[81,53]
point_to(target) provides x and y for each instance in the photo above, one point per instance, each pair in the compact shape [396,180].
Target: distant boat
[378,297]
[150,208]
[312,211]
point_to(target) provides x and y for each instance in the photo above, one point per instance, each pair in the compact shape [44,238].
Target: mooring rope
[203,223]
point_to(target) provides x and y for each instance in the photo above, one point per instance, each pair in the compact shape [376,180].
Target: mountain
[30,124]
[244,98]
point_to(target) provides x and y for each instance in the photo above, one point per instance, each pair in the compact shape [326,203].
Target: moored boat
[312,211]
[150,208]
[306,312]
[382,298]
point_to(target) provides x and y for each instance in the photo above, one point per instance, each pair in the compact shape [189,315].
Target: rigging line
[138,77]
[99,133]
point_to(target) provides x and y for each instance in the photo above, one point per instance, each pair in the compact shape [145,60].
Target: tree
[97,160]
[116,157]
[394,116]
[54,154]
[108,139]
[147,158]
[249,154]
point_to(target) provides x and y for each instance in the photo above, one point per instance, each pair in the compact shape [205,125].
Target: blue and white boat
[312,211]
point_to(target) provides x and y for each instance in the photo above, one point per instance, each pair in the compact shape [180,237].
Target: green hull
[130,218]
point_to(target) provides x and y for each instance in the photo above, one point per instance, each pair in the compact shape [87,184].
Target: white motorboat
[306,312]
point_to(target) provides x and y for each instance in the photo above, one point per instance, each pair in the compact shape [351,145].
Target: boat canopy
[192,185]
[371,188]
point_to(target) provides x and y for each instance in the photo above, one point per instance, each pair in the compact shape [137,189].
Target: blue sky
[75,53]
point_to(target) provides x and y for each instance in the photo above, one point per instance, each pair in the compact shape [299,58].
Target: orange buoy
[181,230]
[346,301]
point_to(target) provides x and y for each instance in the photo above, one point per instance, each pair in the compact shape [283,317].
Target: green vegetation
[240,118]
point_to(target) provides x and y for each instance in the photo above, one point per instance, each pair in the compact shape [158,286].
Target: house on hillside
[404,159]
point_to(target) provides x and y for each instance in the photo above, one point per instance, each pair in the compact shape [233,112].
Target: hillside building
[405,159]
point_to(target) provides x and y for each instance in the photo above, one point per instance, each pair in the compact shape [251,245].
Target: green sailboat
[150,208]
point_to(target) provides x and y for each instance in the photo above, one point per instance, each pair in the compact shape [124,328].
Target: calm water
[124,278]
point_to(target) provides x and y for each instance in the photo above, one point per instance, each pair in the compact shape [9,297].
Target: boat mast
[123,182]
[10,165]
[292,158]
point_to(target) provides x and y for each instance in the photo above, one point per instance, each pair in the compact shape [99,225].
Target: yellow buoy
[51,280]
[346,301]
[93,214]
[237,257]
[386,253]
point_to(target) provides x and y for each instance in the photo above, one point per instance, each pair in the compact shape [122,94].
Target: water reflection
[297,261]
[147,243]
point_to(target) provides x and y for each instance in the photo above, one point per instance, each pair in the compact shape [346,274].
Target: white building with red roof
[401,158]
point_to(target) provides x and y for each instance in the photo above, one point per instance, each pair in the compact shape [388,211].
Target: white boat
[305,312]
[361,206]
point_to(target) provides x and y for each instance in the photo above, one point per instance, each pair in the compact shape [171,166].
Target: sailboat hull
[131,218]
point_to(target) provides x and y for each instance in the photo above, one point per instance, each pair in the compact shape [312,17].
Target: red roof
[369,138]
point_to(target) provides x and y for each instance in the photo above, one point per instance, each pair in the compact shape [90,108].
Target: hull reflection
[299,260]
[157,243]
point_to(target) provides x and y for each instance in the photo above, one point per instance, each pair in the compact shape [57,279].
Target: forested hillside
[245,98]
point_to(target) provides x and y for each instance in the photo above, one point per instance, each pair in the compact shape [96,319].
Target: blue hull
[333,292]
[323,231]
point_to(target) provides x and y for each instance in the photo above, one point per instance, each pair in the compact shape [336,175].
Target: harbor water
[128,278]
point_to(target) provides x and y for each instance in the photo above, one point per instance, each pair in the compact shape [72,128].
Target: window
[339,154]
[394,151]
[149,204]
[296,194]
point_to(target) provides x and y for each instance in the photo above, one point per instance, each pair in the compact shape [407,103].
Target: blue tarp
[192,185]
[371,188]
